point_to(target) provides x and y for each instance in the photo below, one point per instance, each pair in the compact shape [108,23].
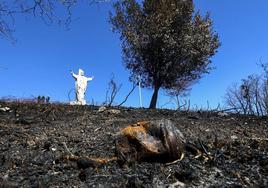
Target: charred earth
[56,145]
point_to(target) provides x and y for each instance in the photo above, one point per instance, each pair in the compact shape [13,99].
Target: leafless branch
[251,96]
[47,10]
[113,89]
[129,93]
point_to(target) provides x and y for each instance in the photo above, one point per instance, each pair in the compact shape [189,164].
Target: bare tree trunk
[154,98]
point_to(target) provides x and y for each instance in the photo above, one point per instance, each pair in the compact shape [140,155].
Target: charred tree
[164,42]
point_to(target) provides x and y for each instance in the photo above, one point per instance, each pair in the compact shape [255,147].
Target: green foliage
[164,42]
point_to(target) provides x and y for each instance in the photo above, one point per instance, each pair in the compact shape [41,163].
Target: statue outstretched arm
[74,75]
[90,78]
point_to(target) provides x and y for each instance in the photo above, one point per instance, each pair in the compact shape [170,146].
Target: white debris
[102,109]
[223,114]
[177,184]
[113,111]
[4,109]
[5,177]
[234,137]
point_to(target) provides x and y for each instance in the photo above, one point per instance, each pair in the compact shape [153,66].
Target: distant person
[80,86]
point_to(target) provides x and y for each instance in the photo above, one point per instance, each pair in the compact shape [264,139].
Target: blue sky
[40,61]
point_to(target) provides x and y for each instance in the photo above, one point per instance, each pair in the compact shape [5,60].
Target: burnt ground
[36,138]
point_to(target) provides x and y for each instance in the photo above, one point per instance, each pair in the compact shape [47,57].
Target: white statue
[80,86]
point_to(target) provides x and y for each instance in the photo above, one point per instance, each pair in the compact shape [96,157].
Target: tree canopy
[165,43]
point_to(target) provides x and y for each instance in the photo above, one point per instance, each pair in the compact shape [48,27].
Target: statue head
[81,72]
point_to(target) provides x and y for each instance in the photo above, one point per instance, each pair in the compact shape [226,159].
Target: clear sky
[40,61]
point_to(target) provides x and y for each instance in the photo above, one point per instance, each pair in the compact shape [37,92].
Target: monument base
[78,102]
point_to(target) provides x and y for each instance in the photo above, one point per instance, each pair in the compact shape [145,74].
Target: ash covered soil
[35,140]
